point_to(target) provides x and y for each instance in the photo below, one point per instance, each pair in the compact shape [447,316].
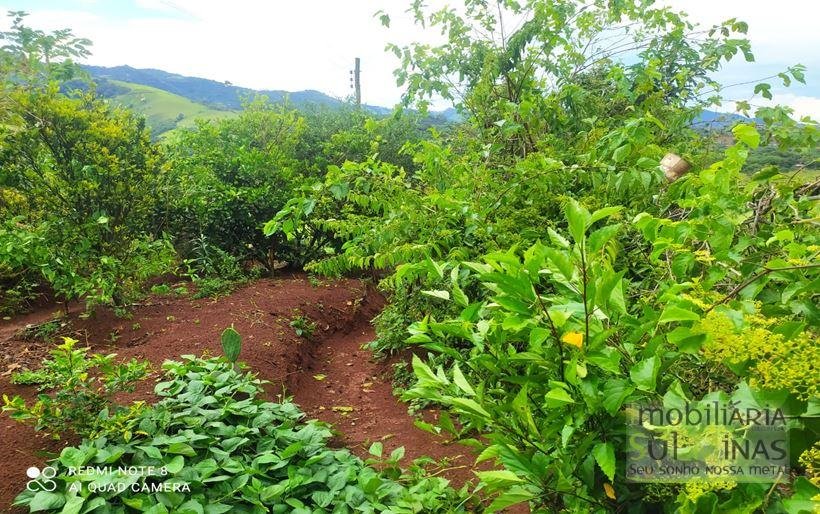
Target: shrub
[228,177]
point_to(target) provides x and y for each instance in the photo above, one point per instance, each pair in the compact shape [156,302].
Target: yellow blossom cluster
[697,487]
[810,459]
[775,362]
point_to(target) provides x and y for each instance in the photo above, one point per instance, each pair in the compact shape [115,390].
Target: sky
[311,44]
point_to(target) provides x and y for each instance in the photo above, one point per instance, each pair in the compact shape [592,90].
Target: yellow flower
[576,339]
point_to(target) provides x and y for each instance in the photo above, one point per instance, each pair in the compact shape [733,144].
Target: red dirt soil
[165,327]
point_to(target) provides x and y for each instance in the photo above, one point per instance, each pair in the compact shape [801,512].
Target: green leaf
[75,457]
[73,505]
[461,382]
[606,358]
[558,397]
[151,451]
[175,465]
[802,501]
[513,496]
[470,406]
[521,405]
[604,454]
[621,153]
[397,454]
[747,134]
[444,295]
[499,479]
[764,89]
[578,219]
[231,344]
[376,449]
[459,297]
[45,500]
[600,237]
[614,393]
[181,449]
[645,373]
[671,314]
[190,507]
[423,371]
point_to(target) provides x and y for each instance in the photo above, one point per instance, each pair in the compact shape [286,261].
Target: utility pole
[356,82]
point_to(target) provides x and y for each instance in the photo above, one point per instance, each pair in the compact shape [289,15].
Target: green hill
[163,111]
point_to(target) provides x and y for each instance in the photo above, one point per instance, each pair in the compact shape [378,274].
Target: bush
[228,177]
[79,180]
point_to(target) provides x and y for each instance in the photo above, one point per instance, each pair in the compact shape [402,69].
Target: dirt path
[343,385]
[165,327]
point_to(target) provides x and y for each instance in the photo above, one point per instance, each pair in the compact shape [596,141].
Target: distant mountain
[218,95]
[169,100]
[163,111]
[718,121]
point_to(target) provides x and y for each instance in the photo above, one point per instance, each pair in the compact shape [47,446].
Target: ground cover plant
[213,445]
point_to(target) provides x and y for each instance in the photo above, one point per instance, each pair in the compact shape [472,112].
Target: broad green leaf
[672,314]
[175,465]
[513,496]
[438,293]
[605,212]
[461,382]
[558,397]
[498,479]
[604,454]
[600,237]
[747,134]
[45,500]
[645,373]
[578,219]
[621,153]
[231,344]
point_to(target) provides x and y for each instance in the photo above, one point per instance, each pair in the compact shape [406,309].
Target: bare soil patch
[355,393]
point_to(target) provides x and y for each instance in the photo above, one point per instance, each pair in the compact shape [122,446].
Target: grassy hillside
[163,111]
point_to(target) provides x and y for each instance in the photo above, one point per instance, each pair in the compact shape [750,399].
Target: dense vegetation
[539,265]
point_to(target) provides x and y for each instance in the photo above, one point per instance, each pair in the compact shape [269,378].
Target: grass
[164,111]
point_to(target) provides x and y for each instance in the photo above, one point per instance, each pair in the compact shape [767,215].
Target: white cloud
[311,44]
[801,105]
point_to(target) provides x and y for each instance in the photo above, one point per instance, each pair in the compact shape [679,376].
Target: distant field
[164,111]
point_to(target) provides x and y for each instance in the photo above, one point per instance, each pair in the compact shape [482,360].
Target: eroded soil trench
[329,374]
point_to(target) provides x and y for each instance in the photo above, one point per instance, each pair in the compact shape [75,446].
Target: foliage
[303,326]
[227,177]
[216,446]
[34,57]
[83,389]
[78,180]
[540,319]
[212,270]
[580,338]
[336,135]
